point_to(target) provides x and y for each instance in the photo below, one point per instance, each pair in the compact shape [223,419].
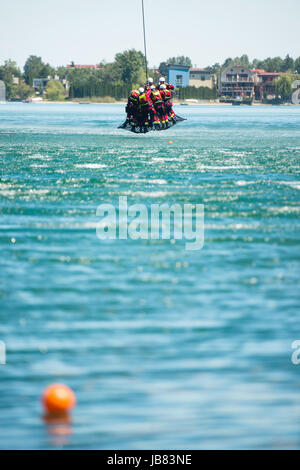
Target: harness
[143,100]
[134,95]
[167,95]
[156,97]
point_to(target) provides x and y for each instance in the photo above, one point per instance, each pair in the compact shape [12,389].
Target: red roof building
[80,66]
[265,85]
[257,70]
[195,69]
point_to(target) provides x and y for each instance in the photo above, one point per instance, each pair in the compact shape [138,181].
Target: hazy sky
[88,31]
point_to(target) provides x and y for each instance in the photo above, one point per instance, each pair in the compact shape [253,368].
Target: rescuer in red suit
[157,105]
[132,107]
[145,107]
[167,99]
[148,84]
[162,81]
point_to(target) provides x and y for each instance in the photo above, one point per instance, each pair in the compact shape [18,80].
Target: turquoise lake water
[165,348]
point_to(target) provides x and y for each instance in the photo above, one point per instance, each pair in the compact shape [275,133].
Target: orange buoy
[58,399]
[170,142]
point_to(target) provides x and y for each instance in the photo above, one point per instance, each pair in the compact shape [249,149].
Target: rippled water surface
[164,347]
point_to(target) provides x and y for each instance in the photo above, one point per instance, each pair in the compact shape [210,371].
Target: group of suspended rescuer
[150,107]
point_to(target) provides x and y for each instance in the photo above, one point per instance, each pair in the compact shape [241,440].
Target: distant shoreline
[123,103]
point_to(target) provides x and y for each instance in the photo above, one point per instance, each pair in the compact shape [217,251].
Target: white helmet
[141,90]
[150,80]
[162,80]
[163,86]
[152,87]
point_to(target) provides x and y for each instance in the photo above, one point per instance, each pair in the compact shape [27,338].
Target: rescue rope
[145,48]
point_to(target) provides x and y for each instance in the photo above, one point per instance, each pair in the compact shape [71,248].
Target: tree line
[117,78]
[201,93]
[271,64]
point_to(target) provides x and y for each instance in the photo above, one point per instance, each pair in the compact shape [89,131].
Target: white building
[2,91]
[296,92]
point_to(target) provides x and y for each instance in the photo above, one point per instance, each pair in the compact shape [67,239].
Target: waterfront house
[265,84]
[237,82]
[201,77]
[178,75]
[39,84]
[296,92]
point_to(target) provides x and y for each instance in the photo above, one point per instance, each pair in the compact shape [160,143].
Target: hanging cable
[145,48]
